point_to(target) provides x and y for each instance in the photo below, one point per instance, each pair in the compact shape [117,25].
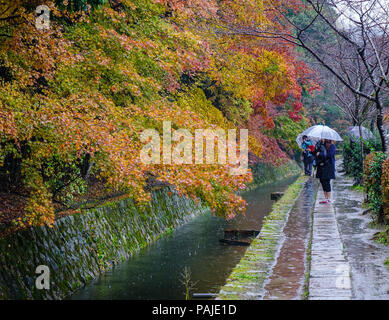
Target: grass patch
[357,187]
[245,276]
[382,237]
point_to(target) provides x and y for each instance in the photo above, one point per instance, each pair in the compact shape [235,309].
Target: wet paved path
[345,262]
[288,274]
[330,270]
[369,275]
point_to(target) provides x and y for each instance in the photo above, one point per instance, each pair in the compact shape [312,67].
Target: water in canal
[155,272]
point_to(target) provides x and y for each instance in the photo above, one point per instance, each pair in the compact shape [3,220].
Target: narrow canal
[156,272]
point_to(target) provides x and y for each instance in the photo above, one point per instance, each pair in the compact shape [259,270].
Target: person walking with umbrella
[307,155]
[325,160]
[324,156]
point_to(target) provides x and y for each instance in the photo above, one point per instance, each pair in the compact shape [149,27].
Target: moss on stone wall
[82,246]
[264,173]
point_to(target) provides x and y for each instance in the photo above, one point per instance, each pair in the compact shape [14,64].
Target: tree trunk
[361,141]
[372,122]
[380,124]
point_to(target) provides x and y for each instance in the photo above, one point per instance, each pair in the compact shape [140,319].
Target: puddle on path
[288,274]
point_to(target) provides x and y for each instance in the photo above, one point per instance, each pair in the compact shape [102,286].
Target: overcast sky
[351,9]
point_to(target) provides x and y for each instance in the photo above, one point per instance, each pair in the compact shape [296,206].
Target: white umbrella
[353,133]
[322,132]
[299,139]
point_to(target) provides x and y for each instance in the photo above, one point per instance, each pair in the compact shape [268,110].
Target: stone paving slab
[320,263]
[325,257]
[330,270]
[330,293]
[323,273]
[323,217]
[329,282]
[327,270]
[326,224]
[324,236]
[326,244]
[333,230]
[329,298]
[328,230]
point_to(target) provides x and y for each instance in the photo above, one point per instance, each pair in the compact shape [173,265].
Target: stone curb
[247,279]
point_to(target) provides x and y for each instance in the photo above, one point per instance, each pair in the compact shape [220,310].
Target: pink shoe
[325,201]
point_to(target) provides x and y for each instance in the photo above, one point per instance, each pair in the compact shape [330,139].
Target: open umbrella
[322,132]
[353,133]
[299,139]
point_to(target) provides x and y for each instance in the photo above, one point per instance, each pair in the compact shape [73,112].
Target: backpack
[320,159]
[308,149]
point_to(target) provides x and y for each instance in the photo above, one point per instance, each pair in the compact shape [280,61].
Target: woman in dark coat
[325,156]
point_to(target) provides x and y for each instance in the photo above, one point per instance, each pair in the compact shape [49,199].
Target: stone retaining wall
[264,173]
[82,246]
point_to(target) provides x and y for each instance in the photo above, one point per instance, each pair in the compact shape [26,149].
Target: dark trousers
[326,184]
[308,165]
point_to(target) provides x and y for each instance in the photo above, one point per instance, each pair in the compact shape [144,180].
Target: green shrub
[385,189]
[352,159]
[373,183]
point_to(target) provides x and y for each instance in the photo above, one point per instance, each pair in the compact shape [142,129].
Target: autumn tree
[356,107]
[265,72]
[361,24]
[75,99]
